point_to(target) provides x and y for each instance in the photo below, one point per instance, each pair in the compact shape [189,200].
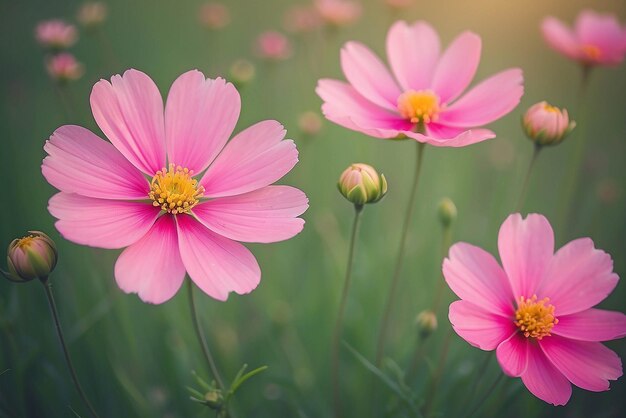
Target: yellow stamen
[26,241]
[551,109]
[419,106]
[592,52]
[534,318]
[175,190]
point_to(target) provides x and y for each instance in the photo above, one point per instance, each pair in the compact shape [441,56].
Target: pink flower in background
[64,67]
[92,14]
[596,39]
[272,45]
[301,19]
[203,195]
[537,310]
[422,100]
[339,12]
[56,34]
[214,16]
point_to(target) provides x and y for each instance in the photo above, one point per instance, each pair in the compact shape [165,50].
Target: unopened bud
[545,124]
[447,212]
[361,184]
[64,67]
[92,14]
[241,72]
[214,399]
[426,322]
[31,257]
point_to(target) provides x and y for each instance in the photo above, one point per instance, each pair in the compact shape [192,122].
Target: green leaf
[241,378]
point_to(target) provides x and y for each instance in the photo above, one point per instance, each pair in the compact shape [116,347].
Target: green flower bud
[242,73]
[31,257]
[426,322]
[447,212]
[361,184]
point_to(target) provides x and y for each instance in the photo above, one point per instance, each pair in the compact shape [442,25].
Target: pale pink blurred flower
[339,12]
[301,19]
[595,39]
[214,15]
[399,4]
[63,67]
[92,14]
[537,310]
[422,100]
[309,123]
[56,34]
[272,45]
[545,124]
[204,195]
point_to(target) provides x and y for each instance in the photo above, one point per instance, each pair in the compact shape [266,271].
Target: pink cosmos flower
[537,310]
[170,189]
[64,67]
[272,45]
[214,15]
[421,100]
[338,12]
[596,39]
[56,34]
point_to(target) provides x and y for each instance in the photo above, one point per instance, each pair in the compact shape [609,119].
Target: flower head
[338,13]
[214,16]
[56,34]
[33,256]
[63,67]
[273,46]
[423,99]
[204,193]
[595,39]
[92,14]
[545,124]
[537,310]
[361,184]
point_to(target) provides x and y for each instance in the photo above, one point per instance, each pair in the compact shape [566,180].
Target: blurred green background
[135,360]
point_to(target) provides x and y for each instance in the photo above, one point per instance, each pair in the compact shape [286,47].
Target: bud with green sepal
[446,212]
[426,322]
[31,257]
[361,184]
[545,124]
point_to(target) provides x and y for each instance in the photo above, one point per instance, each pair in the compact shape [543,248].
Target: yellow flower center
[25,242]
[592,52]
[175,190]
[551,109]
[419,106]
[535,319]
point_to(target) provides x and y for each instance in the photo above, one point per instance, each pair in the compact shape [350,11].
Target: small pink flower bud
[241,72]
[214,16]
[31,257]
[272,45]
[92,14]
[56,34]
[545,124]
[64,67]
[309,123]
[361,184]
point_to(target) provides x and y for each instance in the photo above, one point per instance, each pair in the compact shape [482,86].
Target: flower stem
[486,395]
[434,383]
[201,339]
[358,209]
[382,332]
[524,192]
[55,316]
[446,241]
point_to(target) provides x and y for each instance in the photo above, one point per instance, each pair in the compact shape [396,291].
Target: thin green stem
[486,395]
[524,192]
[358,209]
[446,241]
[201,338]
[434,383]
[391,298]
[55,316]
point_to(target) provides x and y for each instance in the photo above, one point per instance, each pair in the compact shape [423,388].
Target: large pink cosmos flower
[421,100]
[537,312]
[596,39]
[139,191]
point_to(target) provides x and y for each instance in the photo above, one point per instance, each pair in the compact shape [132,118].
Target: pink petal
[560,37]
[457,66]
[152,266]
[475,276]
[601,30]
[129,110]
[413,51]
[479,327]
[579,277]
[254,158]
[526,247]
[265,215]
[592,325]
[99,222]
[80,162]
[512,355]
[488,101]
[446,136]
[544,380]
[588,365]
[200,116]
[369,76]
[216,264]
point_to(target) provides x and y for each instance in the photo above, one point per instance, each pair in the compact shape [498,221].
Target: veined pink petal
[254,158]
[200,115]
[475,276]
[480,328]
[369,76]
[592,325]
[560,37]
[457,67]
[512,354]
[216,264]
[579,277]
[413,51]
[544,380]
[152,266]
[588,365]
[488,101]
[447,136]
[99,222]
[80,162]
[265,215]
[526,247]
[129,110]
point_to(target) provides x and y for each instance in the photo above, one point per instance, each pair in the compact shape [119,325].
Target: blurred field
[135,360]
